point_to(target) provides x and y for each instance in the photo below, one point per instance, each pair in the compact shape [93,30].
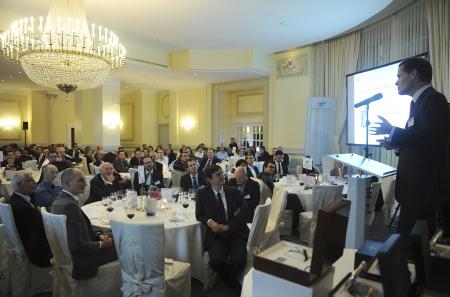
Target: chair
[272,232]
[263,189]
[107,281]
[145,272]
[83,197]
[132,172]
[26,279]
[2,200]
[31,164]
[94,169]
[371,201]
[176,177]
[84,165]
[6,253]
[321,195]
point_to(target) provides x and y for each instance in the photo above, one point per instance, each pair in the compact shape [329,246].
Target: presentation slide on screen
[392,106]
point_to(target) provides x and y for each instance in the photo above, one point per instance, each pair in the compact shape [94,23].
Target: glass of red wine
[130,209]
[184,200]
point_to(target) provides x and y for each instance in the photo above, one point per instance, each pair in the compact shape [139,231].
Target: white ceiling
[207,25]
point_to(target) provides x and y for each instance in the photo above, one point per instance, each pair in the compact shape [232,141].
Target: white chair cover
[389,199]
[176,177]
[5,262]
[94,169]
[259,224]
[26,278]
[84,165]
[272,232]
[83,197]
[263,189]
[107,281]
[371,201]
[132,172]
[30,164]
[140,248]
[321,195]
[2,200]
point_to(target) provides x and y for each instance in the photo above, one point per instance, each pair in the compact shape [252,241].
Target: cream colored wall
[88,110]
[62,118]
[39,118]
[19,115]
[288,105]
[149,116]
[163,107]
[194,106]
[135,99]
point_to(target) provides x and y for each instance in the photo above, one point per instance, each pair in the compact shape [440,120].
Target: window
[249,133]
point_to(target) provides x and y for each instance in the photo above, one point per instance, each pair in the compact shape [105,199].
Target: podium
[356,192]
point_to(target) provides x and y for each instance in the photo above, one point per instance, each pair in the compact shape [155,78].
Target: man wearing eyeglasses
[267,176]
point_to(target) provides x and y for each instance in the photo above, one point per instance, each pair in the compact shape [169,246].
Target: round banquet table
[183,233]
[5,188]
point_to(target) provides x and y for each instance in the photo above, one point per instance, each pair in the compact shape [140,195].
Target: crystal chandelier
[63,51]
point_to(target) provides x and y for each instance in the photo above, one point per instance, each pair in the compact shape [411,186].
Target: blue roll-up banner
[320,127]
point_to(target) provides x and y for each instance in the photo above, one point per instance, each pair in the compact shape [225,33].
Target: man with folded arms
[208,161]
[104,183]
[249,190]
[153,177]
[89,249]
[194,180]
[49,187]
[28,219]
[223,212]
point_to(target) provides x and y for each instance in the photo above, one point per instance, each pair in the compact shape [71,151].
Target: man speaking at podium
[421,146]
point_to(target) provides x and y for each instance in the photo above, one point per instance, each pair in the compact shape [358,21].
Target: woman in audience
[199,153]
[188,150]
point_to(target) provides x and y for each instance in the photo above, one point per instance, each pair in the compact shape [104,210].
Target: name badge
[410,122]
[157,182]
[247,196]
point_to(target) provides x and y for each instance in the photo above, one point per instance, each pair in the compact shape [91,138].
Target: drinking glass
[130,210]
[105,201]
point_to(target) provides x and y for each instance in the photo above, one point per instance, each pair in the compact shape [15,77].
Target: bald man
[248,188]
[48,187]
[104,183]
[89,249]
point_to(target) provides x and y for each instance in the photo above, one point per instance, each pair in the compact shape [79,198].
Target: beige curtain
[438,14]
[334,59]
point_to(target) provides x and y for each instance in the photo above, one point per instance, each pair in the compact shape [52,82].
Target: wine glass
[130,211]
[120,195]
[184,200]
[105,201]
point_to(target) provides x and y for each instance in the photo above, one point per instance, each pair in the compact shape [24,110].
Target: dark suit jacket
[82,239]
[207,208]
[31,231]
[421,170]
[268,179]
[135,162]
[186,181]
[61,165]
[157,180]
[251,196]
[249,172]
[214,160]
[178,165]
[264,157]
[283,167]
[120,166]
[98,189]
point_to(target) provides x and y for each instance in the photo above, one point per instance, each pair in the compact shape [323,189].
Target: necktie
[411,108]
[194,183]
[222,214]
[279,168]
[208,163]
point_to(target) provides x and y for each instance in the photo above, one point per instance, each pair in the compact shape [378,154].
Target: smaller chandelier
[63,51]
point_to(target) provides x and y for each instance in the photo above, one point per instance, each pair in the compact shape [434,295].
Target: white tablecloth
[183,239]
[6,188]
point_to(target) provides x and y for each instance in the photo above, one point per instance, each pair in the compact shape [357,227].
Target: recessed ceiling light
[10,76]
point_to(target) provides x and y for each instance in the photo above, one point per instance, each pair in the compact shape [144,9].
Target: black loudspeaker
[25,125]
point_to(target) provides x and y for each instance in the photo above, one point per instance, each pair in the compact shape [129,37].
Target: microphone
[369,100]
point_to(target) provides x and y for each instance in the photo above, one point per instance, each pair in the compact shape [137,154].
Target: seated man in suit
[9,162]
[180,163]
[194,180]
[339,170]
[61,162]
[280,167]
[156,164]
[104,183]
[263,154]
[153,177]
[249,190]
[160,158]
[252,171]
[89,249]
[98,157]
[48,187]
[136,160]
[223,212]
[43,158]
[120,164]
[267,176]
[75,152]
[28,219]
[209,160]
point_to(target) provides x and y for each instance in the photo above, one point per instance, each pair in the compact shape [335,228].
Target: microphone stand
[366,146]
